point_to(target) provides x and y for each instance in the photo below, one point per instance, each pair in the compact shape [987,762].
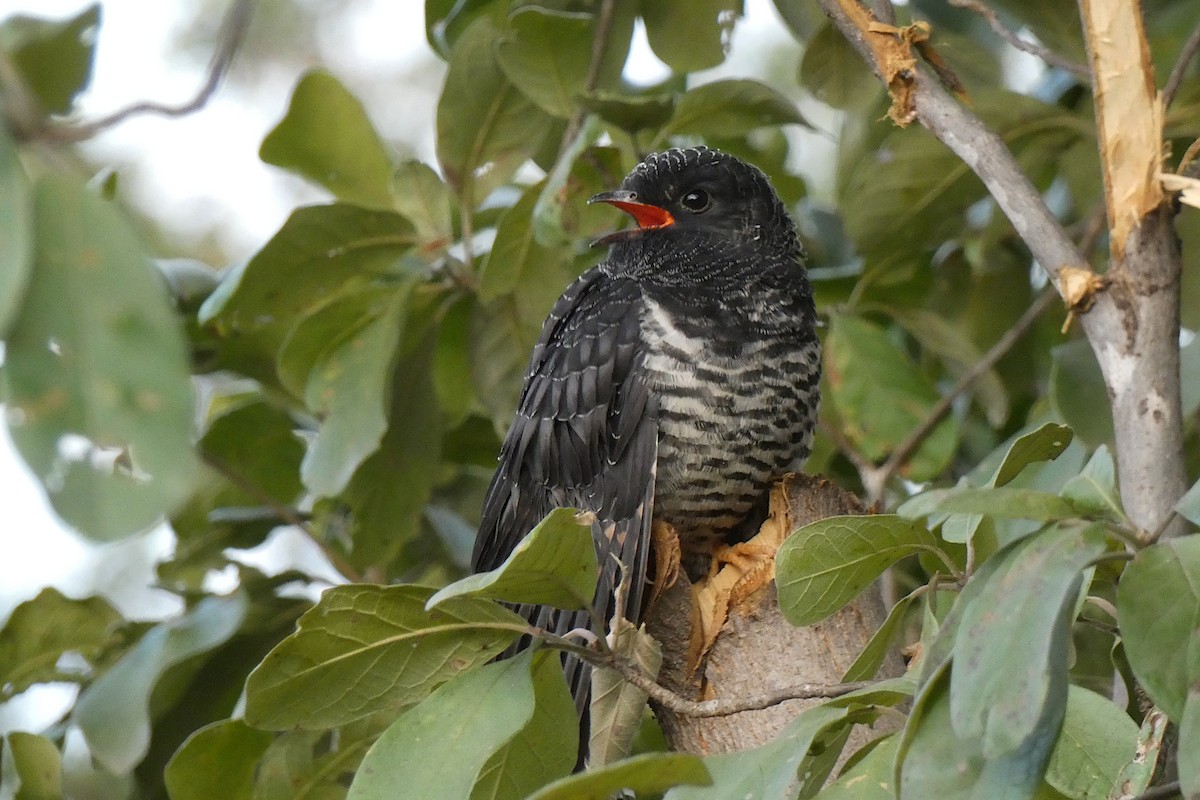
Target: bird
[674,381]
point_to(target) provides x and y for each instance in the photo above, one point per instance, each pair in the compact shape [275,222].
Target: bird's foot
[736,573]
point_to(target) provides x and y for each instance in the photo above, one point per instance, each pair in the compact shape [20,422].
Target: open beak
[646,215]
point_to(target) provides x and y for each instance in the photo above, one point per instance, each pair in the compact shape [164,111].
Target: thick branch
[1133,327]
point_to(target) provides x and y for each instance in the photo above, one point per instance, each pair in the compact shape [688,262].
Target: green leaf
[950,343]
[1158,609]
[1189,505]
[518,261]
[1095,488]
[16,229]
[348,390]
[54,57]
[998,502]
[834,72]
[100,396]
[41,630]
[871,778]
[826,564]
[37,766]
[1096,741]
[437,748]
[631,113]
[879,647]
[939,762]
[327,138]
[1078,392]
[500,342]
[388,494]
[1043,444]
[546,55]
[114,712]
[693,35]
[730,108]
[554,565]
[542,751]
[1011,651]
[258,443]
[1136,775]
[768,772]
[218,760]
[645,774]
[862,365]
[421,196]
[617,705]
[319,252]
[505,127]
[364,649]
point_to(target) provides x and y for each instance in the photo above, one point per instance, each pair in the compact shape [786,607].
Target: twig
[229,39]
[1050,57]
[284,513]
[1175,79]
[724,706]
[1165,792]
[917,436]
[604,19]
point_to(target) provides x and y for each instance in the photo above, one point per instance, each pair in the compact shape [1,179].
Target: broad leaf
[554,565]
[327,138]
[693,35]
[1078,393]
[54,57]
[364,649]
[257,443]
[100,399]
[833,71]
[421,196]
[505,126]
[618,706]
[348,390]
[1158,609]
[1095,488]
[545,749]
[826,564]
[320,251]
[546,55]
[1096,741]
[40,631]
[438,747]
[1189,505]
[218,760]
[768,772]
[645,774]
[1010,666]
[871,778]
[114,711]
[999,502]
[36,766]
[730,108]
[863,364]
[16,232]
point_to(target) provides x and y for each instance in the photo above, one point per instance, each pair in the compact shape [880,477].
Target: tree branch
[604,19]
[906,448]
[1049,56]
[724,706]
[1175,79]
[229,39]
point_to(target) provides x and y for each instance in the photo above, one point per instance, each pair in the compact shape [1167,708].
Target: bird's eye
[697,201]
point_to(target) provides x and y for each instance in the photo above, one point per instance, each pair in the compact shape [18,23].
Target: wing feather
[585,435]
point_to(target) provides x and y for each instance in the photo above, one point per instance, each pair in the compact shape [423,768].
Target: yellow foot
[737,572]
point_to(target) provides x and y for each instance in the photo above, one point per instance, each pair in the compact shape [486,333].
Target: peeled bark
[758,650]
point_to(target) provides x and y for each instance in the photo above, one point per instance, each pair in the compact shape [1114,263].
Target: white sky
[203,171]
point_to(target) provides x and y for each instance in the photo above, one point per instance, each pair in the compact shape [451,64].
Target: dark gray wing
[585,435]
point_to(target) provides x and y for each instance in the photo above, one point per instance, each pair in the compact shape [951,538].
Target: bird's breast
[736,409]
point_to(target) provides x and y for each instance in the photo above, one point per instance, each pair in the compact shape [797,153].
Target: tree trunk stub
[758,650]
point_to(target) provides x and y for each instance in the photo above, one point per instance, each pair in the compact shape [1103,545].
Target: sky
[201,176]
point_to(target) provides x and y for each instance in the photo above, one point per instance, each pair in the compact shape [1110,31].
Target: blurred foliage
[353,379]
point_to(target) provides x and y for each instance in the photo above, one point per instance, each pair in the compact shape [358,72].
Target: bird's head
[704,197]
